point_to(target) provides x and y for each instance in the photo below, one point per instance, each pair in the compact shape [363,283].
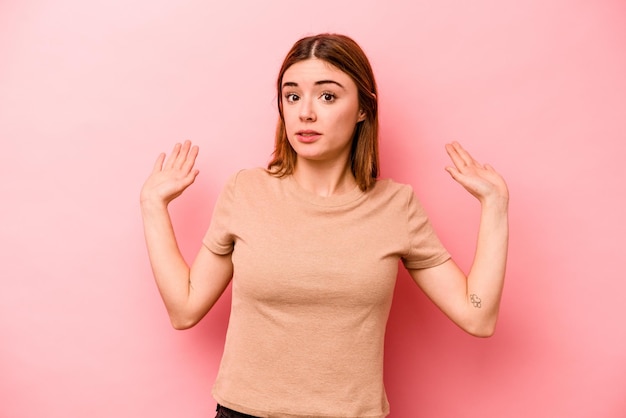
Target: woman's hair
[345,54]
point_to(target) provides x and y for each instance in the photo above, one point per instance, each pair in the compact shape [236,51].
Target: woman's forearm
[171,272]
[486,277]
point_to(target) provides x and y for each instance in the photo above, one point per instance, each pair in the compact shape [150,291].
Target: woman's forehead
[314,70]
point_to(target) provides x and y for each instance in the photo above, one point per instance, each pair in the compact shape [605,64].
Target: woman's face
[321,109]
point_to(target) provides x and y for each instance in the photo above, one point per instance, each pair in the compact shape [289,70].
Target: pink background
[92,91]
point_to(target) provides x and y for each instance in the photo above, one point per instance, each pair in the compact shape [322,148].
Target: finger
[158,164]
[189,178]
[454,172]
[191,158]
[193,175]
[182,155]
[171,159]
[454,155]
[465,156]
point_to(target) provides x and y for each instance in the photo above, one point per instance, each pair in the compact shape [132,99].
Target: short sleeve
[220,238]
[425,248]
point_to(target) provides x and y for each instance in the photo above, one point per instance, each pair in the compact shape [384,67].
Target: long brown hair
[345,54]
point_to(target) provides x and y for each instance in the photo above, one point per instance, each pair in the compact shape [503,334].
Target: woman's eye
[328,97]
[291,97]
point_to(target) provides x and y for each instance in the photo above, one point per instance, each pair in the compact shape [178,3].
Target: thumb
[191,177]
[454,173]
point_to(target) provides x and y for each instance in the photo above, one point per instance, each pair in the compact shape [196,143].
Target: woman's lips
[308,136]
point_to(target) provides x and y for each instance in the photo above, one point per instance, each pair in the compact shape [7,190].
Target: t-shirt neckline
[317,200]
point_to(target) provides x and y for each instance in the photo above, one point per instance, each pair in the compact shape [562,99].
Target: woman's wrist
[496,205]
[150,204]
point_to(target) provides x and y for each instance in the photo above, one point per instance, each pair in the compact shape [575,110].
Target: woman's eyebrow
[317,83]
[321,82]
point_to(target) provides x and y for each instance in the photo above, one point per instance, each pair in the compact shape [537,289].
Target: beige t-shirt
[312,287]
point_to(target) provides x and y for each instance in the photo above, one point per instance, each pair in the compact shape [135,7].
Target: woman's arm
[473,302]
[188,293]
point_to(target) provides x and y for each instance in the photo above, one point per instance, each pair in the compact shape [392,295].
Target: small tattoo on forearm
[476,301]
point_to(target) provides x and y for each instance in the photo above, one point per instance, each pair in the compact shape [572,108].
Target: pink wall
[91,92]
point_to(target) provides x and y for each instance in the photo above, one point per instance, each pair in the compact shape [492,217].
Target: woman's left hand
[481,180]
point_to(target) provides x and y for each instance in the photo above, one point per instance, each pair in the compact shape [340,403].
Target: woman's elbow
[481,329]
[482,332]
[180,322]
[180,326]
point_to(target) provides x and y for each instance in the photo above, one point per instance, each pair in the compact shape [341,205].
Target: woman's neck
[324,179]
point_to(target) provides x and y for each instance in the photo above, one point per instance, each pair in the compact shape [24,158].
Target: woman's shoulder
[250,179]
[252,174]
[388,188]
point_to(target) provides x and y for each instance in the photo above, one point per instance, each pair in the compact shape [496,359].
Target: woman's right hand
[171,176]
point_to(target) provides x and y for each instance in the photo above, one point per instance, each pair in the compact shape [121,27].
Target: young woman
[312,247]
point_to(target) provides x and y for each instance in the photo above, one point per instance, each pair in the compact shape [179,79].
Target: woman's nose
[307,113]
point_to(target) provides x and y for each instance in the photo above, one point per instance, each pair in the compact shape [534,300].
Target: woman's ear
[362,115]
